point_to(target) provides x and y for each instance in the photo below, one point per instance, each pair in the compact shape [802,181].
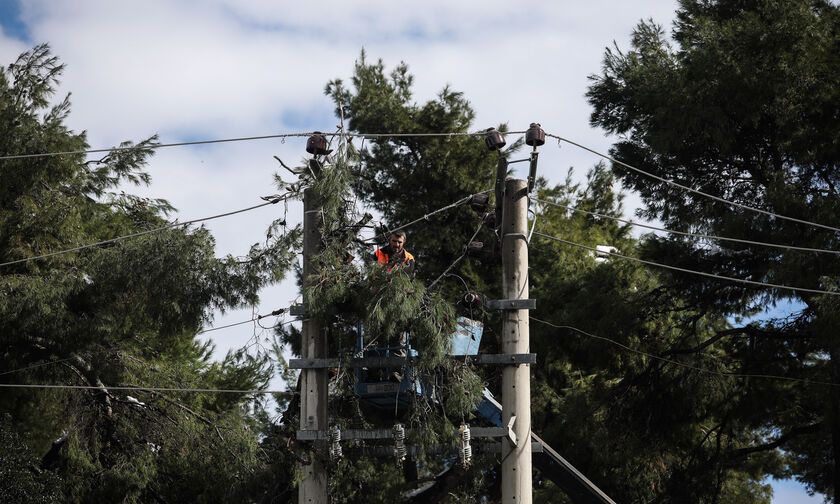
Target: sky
[194,70]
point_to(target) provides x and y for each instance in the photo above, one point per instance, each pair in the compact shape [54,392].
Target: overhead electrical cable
[282,136]
[59,361]
[273,201]
[693,272]
[420,135]
[255,319]
[154,146]
[137,388]
[34,366]
[425,217]
[458,259]
[692,190]
[683,364]
[684,233]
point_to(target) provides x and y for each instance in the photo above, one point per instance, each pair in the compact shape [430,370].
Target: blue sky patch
[11,22]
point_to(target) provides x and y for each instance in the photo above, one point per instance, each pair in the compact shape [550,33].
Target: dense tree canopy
[640,375]
[643,429]
[125,314]
[744,106]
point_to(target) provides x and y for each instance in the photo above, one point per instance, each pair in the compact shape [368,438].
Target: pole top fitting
[535,135]
[494,139]
[317,144]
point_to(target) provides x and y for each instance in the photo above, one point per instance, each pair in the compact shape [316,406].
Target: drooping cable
[281,136]
[695,191]
[34,366]
[458,259]
[425,217]
[684,233]
[148,231]
[683,364]
[254,319]
[155,146]
[693,272]
[138,388]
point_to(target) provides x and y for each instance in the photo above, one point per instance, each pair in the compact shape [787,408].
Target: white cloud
[214,69]
[223,68]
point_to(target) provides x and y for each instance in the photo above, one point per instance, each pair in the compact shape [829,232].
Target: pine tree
[743,107]
[634,425]
[119,315]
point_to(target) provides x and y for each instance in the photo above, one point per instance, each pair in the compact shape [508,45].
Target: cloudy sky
[194,70]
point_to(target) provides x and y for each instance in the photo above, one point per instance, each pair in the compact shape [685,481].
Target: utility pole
[313,383]
[516,379]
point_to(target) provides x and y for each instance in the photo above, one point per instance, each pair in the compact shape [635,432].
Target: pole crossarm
[413,451]
[371,434]
[396,362]
[511,304]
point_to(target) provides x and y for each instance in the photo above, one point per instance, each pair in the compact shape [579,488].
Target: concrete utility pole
[313,383]
[516,379]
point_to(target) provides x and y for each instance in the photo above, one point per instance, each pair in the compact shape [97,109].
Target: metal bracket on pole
[532,172]
[297,310]
[501,173]
[511,304]
[510,434]
[517,235]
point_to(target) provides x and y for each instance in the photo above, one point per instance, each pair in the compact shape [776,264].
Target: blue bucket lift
[383,387]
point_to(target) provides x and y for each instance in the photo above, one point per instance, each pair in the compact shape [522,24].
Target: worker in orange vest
[392,254]
[395,253]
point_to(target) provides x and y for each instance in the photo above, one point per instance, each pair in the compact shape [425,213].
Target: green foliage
[742,108]
[405,178]
[387,302]
[121,315]
[23,478]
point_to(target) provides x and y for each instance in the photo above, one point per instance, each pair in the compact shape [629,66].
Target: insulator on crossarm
[478,202]
[474,249]
[400,450]
[535,136]
[317,144]
[494,139]
[465,451]
[335,443]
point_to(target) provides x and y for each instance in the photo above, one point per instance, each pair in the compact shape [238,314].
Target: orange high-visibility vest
[383,257]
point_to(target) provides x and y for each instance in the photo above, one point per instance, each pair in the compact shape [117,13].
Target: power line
[420,135]
[456,261]
[694,272]
[274,313]
[692,235]
[683,364]
[154,146]
[426,216]
[571,328]
[137,388]
[141,233]
[37,366]
[255,319]
[282,136]
[226,326]
[695,191]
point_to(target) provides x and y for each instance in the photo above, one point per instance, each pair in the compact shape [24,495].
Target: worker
[394,253]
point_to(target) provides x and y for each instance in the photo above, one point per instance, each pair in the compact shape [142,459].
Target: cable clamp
[517,235]
[510,434]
